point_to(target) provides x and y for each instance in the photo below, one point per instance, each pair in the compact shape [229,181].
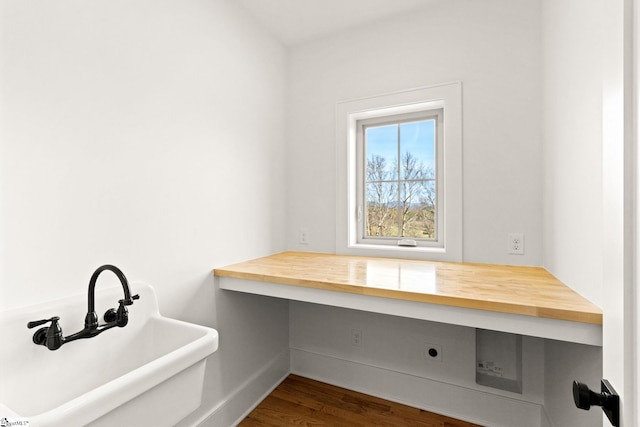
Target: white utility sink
[150,372]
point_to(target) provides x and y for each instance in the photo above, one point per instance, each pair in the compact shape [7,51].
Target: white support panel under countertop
[562,330]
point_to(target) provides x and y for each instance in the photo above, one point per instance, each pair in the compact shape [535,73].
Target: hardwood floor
[302,402]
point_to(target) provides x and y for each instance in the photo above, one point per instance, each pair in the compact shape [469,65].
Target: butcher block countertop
[527,291]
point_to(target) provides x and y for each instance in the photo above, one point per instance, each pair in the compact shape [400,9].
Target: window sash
[361,161]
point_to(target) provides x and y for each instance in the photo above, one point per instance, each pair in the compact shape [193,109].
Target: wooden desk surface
[529,291]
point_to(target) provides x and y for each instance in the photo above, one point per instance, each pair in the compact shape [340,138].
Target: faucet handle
[119,315]
[49,336]
[130,300]
[35,323]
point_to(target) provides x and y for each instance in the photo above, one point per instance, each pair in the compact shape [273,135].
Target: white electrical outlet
[433,352]
[303,236]
[516,244]
[356,337]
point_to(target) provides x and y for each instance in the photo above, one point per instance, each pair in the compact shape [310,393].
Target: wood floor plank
[322,406]
[373,407]
[302,402]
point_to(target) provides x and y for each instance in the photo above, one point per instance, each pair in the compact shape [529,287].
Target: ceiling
[297,21]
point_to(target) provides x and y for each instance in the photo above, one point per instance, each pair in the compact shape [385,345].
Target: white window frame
[447,97]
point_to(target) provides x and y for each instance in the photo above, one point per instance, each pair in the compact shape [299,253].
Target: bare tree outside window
[381,197]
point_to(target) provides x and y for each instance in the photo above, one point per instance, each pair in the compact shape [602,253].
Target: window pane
[409,207]
[399,180]
[426,221]
[381,209]
[381,152]
[417,209]
[417,148]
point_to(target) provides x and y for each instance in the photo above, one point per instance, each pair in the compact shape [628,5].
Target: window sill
[391,251]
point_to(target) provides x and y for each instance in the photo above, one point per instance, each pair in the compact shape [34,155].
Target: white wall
[532,132]
[493,47]
[572,149]
[150,135]
[390,362]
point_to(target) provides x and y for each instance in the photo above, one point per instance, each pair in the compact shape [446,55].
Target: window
[399,179]
[400,174]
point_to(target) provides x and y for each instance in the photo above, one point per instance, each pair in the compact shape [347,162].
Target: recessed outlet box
[433,352]
[499,360]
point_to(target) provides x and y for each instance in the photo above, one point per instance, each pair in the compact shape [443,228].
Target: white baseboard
[460,402]
[233,409]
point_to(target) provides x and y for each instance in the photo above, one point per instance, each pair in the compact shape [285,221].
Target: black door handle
[608,399]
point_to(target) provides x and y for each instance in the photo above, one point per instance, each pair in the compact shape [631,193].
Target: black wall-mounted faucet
[52,337]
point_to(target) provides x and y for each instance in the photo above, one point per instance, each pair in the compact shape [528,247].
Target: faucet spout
[91,319]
